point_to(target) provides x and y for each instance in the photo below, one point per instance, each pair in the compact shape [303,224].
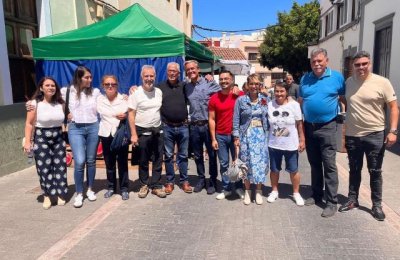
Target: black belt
[184,123]
[199,122]
[320,124]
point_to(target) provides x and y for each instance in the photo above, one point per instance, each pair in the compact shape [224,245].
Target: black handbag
[122,137]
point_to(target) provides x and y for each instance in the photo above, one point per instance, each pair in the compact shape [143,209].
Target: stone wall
[12,123]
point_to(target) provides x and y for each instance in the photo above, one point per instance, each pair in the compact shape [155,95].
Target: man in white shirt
[147,135]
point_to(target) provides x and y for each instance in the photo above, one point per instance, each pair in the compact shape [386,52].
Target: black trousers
[321,153]
[110,159]
[151,148]
[373,147]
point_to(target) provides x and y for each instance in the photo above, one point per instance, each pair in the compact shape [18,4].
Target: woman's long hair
[39,95]
[77,81]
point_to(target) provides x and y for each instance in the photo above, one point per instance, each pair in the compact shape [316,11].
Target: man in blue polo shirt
[320,91]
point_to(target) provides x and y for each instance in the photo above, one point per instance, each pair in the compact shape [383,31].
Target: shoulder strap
[66,110]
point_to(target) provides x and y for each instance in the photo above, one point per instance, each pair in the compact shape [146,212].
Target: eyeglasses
[363,64]
[110,85]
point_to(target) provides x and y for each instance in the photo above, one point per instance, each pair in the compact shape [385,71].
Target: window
[328,23]
[178,5]
[342,14]
[10,39]
[187,10]
[253,56]
[21,27]
[383,45]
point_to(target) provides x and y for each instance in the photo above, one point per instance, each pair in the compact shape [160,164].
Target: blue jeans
[373,147]
[200,136]
[179,136]
[225,145]
[84,139]
[321,153]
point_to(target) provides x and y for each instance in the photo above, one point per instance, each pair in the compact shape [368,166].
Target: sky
[237,14]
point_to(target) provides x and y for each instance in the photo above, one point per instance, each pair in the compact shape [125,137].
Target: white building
[348,26]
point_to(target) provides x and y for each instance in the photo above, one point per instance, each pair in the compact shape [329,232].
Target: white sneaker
[272,196]
[78,200]
[298,199]
[259,199]
[240,193]
[223,194]
[90,195]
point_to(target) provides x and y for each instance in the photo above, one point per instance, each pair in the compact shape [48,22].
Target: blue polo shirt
[320,95]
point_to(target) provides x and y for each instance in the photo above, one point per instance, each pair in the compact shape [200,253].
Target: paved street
[196,226]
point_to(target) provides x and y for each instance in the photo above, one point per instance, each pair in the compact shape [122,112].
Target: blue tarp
[126,70]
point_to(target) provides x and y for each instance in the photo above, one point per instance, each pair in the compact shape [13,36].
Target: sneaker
[159,192]
[298,199]
[125,195]
[211,190]
[377,213]
[144,190]
[349,205]
[329,211]
[273,196]
[199,186]
[223,195]
[108,194]
[240,193]
[90,195]
[78,200]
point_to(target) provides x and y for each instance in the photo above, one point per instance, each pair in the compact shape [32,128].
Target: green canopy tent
[119,45]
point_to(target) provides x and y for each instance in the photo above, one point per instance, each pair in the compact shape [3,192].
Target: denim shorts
[291,160]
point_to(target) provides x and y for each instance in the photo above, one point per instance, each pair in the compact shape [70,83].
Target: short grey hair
[317,51]
[361,54]
[145,67]
[192,61]
[174,63]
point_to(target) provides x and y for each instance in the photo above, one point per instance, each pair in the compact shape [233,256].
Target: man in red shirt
[220,116]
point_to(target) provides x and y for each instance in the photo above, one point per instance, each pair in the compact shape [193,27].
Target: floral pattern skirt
[254,152]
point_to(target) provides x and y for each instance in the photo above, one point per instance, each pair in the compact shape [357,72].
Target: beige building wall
[177,13]
[73,14]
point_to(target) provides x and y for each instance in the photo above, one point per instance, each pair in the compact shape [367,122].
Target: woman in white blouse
[83,128]
[45,122]
[113,108]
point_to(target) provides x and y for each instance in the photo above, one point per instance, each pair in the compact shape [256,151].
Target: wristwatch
[393,131]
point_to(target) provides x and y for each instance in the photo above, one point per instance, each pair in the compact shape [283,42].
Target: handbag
[238,169]
[122,137]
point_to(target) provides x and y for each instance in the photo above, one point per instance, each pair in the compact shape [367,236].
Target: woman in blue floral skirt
[250,130]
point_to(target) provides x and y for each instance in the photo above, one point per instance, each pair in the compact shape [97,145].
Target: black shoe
[199,186]
[329,211]
[108,194]
[211,187]
[377,213]
[312,201]
[125,195]
[349,205]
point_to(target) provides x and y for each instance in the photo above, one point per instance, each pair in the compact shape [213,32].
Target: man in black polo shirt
[174,116]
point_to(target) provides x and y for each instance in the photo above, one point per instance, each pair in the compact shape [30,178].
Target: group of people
[245,126]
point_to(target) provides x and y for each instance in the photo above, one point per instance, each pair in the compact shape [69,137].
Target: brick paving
[195,226]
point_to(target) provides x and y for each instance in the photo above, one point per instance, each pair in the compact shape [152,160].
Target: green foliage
[285,44]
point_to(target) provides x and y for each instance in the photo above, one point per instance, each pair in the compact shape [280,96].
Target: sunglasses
[363,64]
[110,85]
